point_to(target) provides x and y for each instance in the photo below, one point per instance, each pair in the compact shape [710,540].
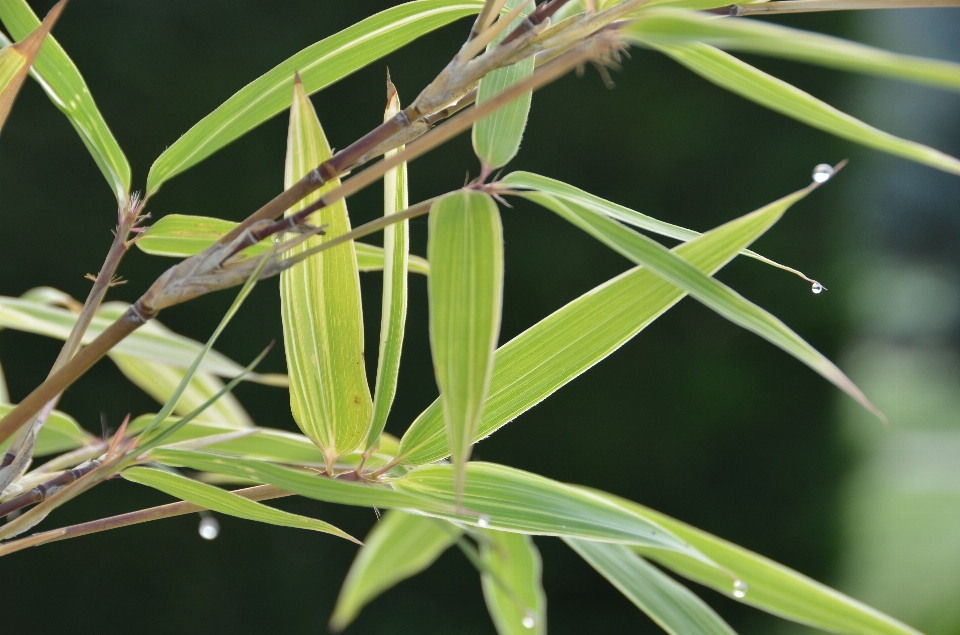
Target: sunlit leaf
[181,236]
[767,585]
[152,341]
[320,305]
[753,36]
[711,292]
[465,249]
[59,434]
[16,59]
[511,583]
[319,65]
[674,607]
[751,83]
[496,497]
[225,502]
[551,353]
[496,137]
[399,547]
[393,316]
[58,76]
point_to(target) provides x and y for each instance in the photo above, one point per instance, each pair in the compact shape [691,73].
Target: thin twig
[258,493]
[806,6]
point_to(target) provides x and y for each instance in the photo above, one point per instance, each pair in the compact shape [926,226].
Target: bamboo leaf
[161,380]
[225,502]
[182,236]
[751,83]
[465,248]
[564,191]
[152,341]
[61,80]
[399,547]
[393,314]
[536,363]
[511,583]
[59,434]
[711,292]
[767,585]
[320,305]
[674,607]
[319,65]
[16,59]
[668,26]
[497,497]
[496,137]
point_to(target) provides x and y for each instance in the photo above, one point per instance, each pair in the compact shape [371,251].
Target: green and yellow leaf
[511,583]
[16,59]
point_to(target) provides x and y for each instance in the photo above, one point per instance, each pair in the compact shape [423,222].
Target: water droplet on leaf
[739,589]
[817,288]
[483,521]
[209,528]
[822,173]
[528,621]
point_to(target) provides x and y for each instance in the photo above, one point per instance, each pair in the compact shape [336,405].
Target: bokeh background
[694,417]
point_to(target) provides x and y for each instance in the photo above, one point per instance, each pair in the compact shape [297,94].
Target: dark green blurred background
[694,417]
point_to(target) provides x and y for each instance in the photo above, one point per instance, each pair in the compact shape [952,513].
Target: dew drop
[817,288]
[822,173]
[528,621]
[209,528]
[483,521]
[739,589]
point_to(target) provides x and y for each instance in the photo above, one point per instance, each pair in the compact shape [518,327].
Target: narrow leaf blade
[465,250]
[60,433]
[61,80]
[225,502]
[320,306]
[553,352]
[512,584]
[399,547]
[496,137]
[319,65]
[751,83]
[674,607]
[16,59]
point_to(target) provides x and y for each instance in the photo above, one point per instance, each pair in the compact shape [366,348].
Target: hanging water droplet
[529,621]
[209,528]
[483,521]
[817,288]
[822,173]
[739,589]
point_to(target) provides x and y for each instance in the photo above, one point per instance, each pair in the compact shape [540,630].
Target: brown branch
[258,493]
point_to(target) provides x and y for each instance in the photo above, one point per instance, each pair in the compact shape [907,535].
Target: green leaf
[728,72]
[564,191]
[498,497]
[320,305]
[496,137]
[319,65]
[59,434]
[225,502]
[667,26]
[769,586]
[182,236]
[674,607]
[161,380]
[465,249]
[711,292]
[511,583]
[399,547]
[393,315]
[58,76]
[152,341]
[551,353]
[15,61]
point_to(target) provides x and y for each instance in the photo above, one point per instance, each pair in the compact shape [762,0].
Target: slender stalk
[258,493]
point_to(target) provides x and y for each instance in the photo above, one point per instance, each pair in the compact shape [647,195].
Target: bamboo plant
[435,496]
